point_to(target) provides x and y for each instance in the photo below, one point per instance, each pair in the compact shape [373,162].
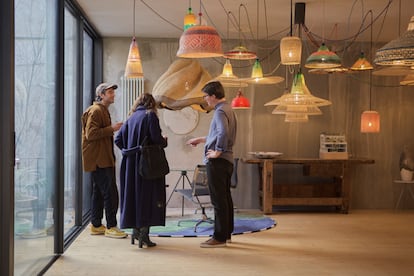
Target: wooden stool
[405,186]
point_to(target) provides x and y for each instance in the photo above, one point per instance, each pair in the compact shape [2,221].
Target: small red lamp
[240,102]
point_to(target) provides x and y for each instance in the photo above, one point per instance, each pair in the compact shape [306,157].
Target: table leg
[267,186]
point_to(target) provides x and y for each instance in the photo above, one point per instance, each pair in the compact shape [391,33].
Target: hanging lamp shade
[296,118]
[290,50]
[297,109]
[228,79]
[370,121]
[323,58]
[133,68]
[189,19]
[408,80]
[362,64]
[241,53]
[399,51]
[200,42]
[240,102]
[257,76]
[228,70]
[257,71]
[299,95]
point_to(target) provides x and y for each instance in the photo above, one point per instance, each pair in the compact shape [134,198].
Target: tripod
[183,177]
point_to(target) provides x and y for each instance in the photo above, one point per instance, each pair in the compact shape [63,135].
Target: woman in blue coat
[142,201]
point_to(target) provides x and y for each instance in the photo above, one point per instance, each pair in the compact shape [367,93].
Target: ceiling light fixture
[370,120]
[240,102]
[362,63]
[189,19]
[228,79]
[299,95]
[240,52]
[323,58]
[291,46]
[200,41]
[399,51]
[133,68]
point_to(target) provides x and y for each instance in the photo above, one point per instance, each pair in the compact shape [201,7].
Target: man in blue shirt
[218,157]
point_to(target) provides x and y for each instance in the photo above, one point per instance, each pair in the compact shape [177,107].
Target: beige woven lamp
[133,67]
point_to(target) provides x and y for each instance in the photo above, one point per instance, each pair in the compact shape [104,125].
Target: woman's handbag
[152,164]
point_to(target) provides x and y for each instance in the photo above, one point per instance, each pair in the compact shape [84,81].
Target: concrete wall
[259,130]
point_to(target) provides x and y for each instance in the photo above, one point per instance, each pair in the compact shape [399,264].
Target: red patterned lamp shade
[200,42]
[370,122]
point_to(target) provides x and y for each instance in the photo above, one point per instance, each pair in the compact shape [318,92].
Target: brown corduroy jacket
[97,138]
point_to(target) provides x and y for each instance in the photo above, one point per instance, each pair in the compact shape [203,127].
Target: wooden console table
[337,170]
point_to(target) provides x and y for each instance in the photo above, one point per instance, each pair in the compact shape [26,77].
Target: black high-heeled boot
[144,238]
[135,235]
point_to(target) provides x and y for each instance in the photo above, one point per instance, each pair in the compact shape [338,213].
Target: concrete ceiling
[264,19]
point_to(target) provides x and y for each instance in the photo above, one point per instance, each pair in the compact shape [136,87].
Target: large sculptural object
[180,86]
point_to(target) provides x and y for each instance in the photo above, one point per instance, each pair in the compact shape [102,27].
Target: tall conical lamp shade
[370,122]
[257,71]
[133,68]
[290,50]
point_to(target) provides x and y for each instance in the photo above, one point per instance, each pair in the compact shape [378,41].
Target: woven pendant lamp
[323,58]
[362,64]
[133,67]
[200,42]
[370,122]
[399,51]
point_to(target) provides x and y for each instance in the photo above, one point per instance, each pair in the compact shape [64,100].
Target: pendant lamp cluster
[133,67]
[297,104]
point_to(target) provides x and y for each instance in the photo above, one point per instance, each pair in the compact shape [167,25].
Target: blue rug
[243,223]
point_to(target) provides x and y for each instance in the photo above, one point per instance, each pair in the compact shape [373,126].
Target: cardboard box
[333,155]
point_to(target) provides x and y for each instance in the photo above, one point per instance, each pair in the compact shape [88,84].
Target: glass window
[87,100]
[35,109]
[71,120]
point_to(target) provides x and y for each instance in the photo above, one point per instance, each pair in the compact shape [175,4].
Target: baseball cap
[105,86]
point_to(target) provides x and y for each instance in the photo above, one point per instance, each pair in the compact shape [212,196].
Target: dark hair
[146,100]
[214,88]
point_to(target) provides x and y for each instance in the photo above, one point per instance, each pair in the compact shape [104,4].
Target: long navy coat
[142,201]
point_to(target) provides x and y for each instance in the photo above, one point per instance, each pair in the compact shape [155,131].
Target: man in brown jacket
[98,157]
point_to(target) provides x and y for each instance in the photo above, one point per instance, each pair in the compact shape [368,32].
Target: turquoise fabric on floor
[184,226]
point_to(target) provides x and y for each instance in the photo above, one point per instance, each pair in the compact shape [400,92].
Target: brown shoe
[212,243]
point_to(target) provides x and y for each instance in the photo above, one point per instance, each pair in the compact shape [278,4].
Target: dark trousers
[219,173]
[104,196]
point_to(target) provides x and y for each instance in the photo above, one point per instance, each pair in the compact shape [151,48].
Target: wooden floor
[359,243]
